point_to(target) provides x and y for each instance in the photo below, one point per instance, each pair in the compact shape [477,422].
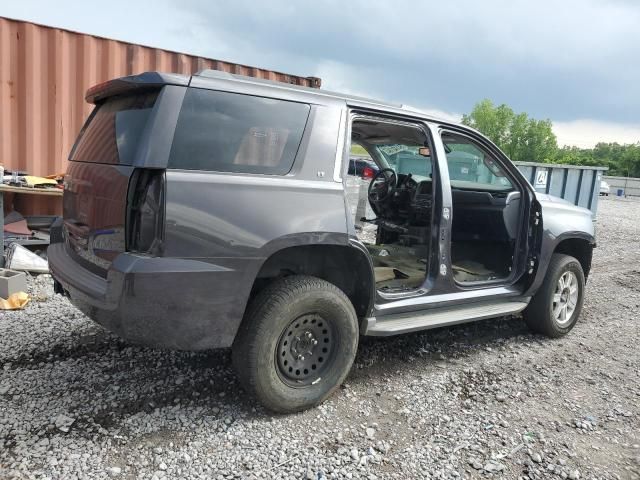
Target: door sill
[410,293]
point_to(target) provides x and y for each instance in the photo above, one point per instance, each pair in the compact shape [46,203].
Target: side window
[230,132]
[470,166]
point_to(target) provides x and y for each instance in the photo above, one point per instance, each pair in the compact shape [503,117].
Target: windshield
[405,159]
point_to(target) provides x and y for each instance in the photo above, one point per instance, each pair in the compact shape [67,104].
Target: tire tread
[256,325]
[537,314]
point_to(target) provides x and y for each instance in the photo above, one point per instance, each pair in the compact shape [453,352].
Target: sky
[576,62]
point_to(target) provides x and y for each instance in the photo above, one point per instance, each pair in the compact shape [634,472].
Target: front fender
[561,221]
[549,247]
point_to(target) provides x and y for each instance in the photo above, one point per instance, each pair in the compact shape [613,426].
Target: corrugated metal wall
[576,184]
[630,186]
[45,72]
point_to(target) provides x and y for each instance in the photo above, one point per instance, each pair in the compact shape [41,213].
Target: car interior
[486,213]
[396,223]
[394,217]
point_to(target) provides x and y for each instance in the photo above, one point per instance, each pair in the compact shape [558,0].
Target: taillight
[145,212]
[368,172]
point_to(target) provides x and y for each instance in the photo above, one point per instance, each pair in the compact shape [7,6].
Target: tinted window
[112,132]
[229,132]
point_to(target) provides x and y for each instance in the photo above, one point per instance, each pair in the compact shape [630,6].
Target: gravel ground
[477,401]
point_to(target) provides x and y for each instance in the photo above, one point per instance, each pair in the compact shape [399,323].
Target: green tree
[522,138]
[622,160]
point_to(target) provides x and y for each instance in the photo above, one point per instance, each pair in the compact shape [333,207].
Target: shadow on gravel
[105,380]
[454,341]
[385,354]
[630,280]
[87,346]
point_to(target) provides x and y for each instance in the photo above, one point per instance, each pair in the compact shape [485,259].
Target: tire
[543,314]
[274,353]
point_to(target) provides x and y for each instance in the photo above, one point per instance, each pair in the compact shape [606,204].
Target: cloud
[563,60]
[586,133]
[569,60]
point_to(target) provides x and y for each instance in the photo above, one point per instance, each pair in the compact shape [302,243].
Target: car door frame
[432,282]
[444,290]
[521,248]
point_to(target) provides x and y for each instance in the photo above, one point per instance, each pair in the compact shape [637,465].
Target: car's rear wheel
[555,308]
[296,343]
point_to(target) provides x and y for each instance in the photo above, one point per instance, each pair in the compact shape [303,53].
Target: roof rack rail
[314,82]
[411,108]
[216,74]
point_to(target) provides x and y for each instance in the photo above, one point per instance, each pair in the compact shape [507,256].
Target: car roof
[217,74]
[351,100]
[215,79]
[219,80]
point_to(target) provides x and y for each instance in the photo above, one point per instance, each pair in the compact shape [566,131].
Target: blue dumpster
[576,184]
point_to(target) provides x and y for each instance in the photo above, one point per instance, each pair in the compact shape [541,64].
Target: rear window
[229,132]
[112,132]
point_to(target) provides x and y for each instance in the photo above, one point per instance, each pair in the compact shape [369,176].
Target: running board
[439,317]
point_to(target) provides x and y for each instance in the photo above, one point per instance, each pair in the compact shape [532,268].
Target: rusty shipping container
[44,74]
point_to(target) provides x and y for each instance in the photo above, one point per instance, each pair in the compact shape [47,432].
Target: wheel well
[580,249]
[345,267]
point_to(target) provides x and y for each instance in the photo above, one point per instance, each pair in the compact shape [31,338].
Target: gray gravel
[476,401]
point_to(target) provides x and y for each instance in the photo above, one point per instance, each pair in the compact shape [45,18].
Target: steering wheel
[382,186]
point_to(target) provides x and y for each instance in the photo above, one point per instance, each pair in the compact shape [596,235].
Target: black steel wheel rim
[305,350]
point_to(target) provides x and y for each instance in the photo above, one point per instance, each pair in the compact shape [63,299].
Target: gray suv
[217,211]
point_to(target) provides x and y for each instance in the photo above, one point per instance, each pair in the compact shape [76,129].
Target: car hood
[559,207]
[561,218]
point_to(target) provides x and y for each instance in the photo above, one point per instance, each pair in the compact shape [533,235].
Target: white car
[605,188]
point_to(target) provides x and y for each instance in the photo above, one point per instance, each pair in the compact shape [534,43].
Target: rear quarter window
[230,132]
[112,132]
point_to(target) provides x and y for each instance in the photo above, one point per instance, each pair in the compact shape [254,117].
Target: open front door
[490,210]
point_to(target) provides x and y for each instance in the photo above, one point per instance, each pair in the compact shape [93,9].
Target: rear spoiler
[143,81]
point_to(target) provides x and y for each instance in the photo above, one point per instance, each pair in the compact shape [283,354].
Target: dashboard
[408,184]
[411,205]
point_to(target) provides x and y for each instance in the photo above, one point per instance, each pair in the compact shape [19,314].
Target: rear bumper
[166,302]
